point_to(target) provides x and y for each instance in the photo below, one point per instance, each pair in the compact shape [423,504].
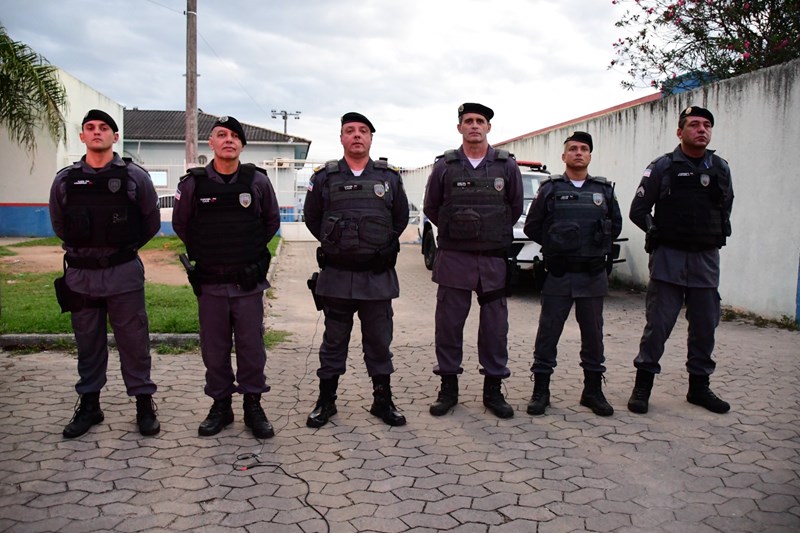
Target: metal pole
[191,82]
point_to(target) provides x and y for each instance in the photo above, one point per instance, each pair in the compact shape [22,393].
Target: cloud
[407,65]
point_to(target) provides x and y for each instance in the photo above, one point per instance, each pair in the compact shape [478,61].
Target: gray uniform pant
[452,309]
[377,324]
[554,313]
[664,301]
[223,322]
[128,318]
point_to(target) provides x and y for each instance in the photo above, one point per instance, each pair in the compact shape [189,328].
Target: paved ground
[678,468]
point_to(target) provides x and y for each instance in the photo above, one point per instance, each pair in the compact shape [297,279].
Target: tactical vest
[357,220]
[98,211]
[691,214]
[475,215]
[226,230]
[580,228]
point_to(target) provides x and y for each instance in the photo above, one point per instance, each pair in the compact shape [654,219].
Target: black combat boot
[383,407]
[540,398]
[86,415]
[255,418]
[448,396]
[219,416]
[638,402]
[493,398]
[146,415]
[700,394]
[592,396]
[326,404]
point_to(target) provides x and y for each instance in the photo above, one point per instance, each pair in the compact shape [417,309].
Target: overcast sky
[405,64]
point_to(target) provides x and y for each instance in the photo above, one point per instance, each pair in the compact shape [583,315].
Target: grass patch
[786,322]
[28,304]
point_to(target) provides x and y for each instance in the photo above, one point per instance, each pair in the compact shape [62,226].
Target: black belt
[353,266]
[96,263]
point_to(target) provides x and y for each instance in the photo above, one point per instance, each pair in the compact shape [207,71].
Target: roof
[146,125]
[632,103]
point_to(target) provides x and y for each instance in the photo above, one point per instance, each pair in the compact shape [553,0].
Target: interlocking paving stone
[678,468]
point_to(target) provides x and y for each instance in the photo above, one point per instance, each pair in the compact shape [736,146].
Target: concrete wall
[757,129]
[25,178]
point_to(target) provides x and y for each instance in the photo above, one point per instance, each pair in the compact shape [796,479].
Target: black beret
[232,124]
[581,137]
[694,111]
[102,116]
[352,116]
[480,109]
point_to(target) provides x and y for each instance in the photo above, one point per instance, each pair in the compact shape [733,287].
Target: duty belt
[96,263]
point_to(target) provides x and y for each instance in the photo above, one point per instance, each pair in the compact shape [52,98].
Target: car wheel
[428,250]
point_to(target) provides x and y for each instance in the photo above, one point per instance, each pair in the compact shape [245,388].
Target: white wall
[757,130]
[19,183]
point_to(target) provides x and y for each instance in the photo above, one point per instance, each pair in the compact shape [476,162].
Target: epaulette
[450,156]
[383,163]
[332,166]
[553,177]
[600,179]
[255,167]
[502,155]
[199,172]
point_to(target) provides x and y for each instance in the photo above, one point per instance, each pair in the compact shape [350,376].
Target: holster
[312,286]
[69,300]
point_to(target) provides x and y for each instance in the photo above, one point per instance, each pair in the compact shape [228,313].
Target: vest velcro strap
[96,263]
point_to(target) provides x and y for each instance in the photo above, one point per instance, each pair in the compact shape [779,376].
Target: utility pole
[285,115]
[191,82]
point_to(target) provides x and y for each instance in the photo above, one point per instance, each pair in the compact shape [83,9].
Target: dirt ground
[160,266]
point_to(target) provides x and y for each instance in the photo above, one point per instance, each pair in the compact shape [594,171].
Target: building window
[159,177]
[203,160]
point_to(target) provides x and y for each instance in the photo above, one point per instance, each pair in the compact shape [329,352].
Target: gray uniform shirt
[468,270]
[117,279]
[679,267]
[573,284]
[346,284]
[264,200]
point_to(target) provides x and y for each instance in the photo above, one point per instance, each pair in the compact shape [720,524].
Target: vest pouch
[375,231]
[464,224]
[348,239]
[78,225]
[330,230]
[602,235]
[119,229]
[564,237]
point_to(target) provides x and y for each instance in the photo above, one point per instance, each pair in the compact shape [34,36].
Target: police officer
[575,217]
[105,209]
[357,209]
[691,193]
[226,213]
[474,196]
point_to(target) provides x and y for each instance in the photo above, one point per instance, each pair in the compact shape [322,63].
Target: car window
[530,184]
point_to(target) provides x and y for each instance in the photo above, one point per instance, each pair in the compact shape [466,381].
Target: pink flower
[746,55]
[747,44]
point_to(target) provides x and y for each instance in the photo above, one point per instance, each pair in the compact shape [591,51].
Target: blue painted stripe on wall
[25,221]
[34,221]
